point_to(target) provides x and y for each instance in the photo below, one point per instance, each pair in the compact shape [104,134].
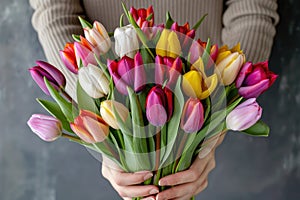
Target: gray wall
[247,168]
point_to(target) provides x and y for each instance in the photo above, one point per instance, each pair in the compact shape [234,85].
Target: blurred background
[247,168]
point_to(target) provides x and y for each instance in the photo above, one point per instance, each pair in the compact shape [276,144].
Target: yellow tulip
[108,109]
[168,44]
[229,63]
[195,84]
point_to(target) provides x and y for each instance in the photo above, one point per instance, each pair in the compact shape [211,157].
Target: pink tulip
[244,115]
[46,127]
[159,105]
[84,51]
[255,79]
[128,72]
[167,68]
[192,117]
[54,76]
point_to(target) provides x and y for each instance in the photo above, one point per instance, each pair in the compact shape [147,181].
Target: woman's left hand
[191,182]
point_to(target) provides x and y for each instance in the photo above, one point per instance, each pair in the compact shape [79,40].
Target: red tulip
[128,72]
[141,15]
[159,105]
[68,57]
[255,79]
[192,117]
[186,35]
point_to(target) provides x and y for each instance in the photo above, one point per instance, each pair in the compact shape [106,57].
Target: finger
[126,179]
[189,196]
[136,191]
[202,187]
[210,166]
[187,176]
[177,192]
[149,198]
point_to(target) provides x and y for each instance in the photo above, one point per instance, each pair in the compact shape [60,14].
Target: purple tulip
[192,117]
[128,72]
[159,105]
[167,68]
[244,115]
[253,80]
[54,76]
[46,127]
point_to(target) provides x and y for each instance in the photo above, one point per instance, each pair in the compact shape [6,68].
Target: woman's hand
[191,182]
[128,185]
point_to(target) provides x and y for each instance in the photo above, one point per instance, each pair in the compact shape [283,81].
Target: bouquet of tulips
[151,97]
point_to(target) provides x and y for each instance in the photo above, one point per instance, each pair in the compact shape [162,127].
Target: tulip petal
[246,69]
[53,72]
[254,91]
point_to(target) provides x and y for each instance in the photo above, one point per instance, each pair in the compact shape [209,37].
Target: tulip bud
[168,44]
[90,127]
[244,115]
[68,57]
[159,105]
[108,109]
[126,41]
[253,80]
[167,69]
[98,37]
[54,76]
[192,117]
[195,84]
[229,63]
[46,127]
[93,81]
[128,72]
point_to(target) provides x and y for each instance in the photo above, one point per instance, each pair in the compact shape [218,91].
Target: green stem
[70,137]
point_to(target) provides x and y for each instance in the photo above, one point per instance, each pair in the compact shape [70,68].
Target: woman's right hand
[128,185]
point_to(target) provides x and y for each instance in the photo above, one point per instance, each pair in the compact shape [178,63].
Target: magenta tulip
[54,76]
[255,79]
[244,115]
[159,105]
[128,72]
[85,53]
[46,127]
[167,69]
[192,117]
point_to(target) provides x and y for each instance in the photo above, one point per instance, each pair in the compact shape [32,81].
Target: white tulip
[93,81]
[126,41]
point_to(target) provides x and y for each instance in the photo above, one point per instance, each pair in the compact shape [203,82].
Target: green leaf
[76,37]
[259,129]
[103,67]
[65,106]
[54,109]
[173,124]
[206,54]
[85,102]
[121,20]
[84,23]
[149,17]
[169,20]
[196,26]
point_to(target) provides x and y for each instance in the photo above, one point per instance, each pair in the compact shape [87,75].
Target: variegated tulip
[185,34]
[229,63]
[141,15]
[126,41]
[98,37]
[255,79]
[192,117]
[244,115]
[93,81]
[108,109]
[46,127]
[90,127]
[85,52]
[53,75]
[168,44]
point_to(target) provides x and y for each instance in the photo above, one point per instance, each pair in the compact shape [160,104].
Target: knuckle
[121,193]
[213,164]
[118,180]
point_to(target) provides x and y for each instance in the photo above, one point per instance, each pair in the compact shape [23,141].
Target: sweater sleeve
[55,21]
[252,23]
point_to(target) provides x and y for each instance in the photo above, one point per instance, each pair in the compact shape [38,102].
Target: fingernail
[161,183]
[154,191]
[148,176]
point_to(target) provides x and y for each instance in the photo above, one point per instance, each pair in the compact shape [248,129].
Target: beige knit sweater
[250,22]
